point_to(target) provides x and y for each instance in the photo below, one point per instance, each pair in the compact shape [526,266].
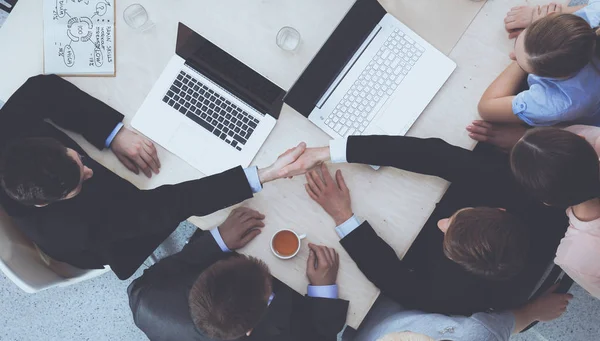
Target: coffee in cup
[285,243]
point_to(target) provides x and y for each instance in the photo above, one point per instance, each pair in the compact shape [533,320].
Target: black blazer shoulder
[291,317]
[437,285]
[116,224]
[53,98]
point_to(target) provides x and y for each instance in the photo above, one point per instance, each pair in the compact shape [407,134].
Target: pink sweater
[579,253]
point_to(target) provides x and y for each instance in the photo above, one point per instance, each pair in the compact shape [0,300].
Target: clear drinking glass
[288,38]
[137,18]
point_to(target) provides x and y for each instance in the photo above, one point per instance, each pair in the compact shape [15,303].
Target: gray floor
[581,322]
[97,310]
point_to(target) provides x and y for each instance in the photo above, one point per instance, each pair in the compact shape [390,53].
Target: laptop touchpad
[186,143]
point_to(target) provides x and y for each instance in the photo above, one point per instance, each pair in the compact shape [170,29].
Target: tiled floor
[581,322]
[97,310]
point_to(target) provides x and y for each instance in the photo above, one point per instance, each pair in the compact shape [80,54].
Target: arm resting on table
[496,102]
[51,97]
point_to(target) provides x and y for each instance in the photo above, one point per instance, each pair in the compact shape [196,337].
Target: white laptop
[373,76]
[208,108]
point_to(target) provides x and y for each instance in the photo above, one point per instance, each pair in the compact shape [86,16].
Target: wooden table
[397,203]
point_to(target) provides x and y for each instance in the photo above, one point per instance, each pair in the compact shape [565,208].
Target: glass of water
[288,38]
[137,18]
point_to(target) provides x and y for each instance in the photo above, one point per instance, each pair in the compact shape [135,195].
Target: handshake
[294,161]
[332,195]
[244,224]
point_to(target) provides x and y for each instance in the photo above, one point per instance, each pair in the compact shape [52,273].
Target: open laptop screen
[333,56]
[228,72]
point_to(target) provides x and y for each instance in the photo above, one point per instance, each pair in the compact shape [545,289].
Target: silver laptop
[373,76]
[208,108]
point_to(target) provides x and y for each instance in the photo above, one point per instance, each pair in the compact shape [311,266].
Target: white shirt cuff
[217,236]
[323,291]
[112,135]
[337,150]
[347,227]
[253,179]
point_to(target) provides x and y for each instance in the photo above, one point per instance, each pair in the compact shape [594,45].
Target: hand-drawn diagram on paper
[79,37]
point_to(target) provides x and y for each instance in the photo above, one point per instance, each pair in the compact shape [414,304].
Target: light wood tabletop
[396,203]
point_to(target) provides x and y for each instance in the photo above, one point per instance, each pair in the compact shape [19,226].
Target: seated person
[76,210]
[388,321]
[561,169]
[573,186]
[207,292]
[559,56]
[427,279]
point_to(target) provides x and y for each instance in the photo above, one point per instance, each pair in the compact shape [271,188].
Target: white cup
[298,238]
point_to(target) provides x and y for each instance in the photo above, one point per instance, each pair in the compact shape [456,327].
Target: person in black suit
[427,279]
[206,292]
[76,210]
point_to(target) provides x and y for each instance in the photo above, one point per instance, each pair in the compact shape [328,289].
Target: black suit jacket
[425,279]
[159,302]
[111,222]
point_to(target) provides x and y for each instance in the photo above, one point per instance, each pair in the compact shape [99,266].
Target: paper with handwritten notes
[79,37]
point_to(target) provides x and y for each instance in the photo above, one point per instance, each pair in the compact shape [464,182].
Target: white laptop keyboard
[376,83]
[212,111]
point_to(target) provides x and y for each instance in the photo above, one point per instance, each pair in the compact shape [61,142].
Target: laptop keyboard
[375,85]
[211,110]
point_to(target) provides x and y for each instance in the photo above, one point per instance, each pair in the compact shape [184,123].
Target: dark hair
[488,242]
[556,166]
[230,297]
[38,171]
[560,45]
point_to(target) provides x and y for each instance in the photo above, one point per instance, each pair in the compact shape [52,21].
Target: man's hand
[332,195]
[273,172]
[311,158]
[322,266]
[550,305]
[503,136]
[547,307]
[135,152]
[242,225]
[520,17]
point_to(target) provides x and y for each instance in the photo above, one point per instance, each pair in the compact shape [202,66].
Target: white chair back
[31,270]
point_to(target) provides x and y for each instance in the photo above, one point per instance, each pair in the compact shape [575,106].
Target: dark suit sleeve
[203,196]
[379,262]
[53,98]
[166,206]
[318,319]
[431,156]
